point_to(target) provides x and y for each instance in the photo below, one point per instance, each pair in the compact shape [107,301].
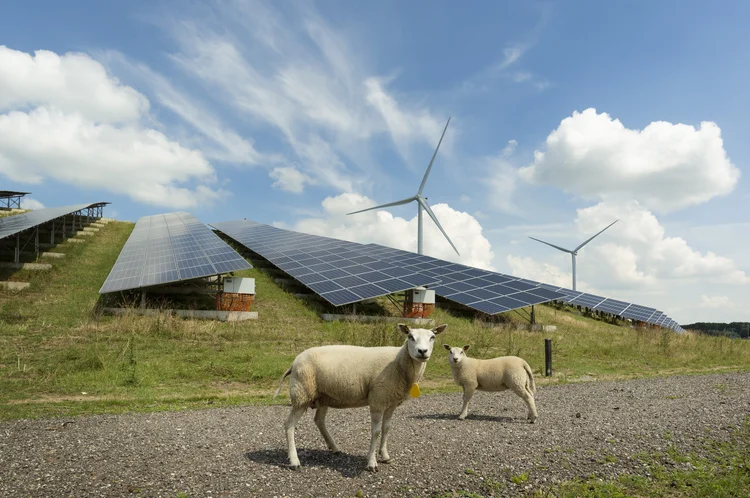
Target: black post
[547,357]
[533,315]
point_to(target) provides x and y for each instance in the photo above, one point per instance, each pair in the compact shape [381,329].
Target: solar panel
[168,248]
[340,272]
[12,225]
[482,290]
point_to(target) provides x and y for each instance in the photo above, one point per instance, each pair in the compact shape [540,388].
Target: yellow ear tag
[414,391]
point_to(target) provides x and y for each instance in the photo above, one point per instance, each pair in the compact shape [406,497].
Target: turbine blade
[592,238]
[552,245]
[396,203]
[424,180]
[434,218]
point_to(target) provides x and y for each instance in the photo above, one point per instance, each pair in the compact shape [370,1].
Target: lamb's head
[456,355]
[419,342]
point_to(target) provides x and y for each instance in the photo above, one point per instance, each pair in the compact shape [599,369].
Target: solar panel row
[338,271]
[327,266]
[169,248]
[12,225]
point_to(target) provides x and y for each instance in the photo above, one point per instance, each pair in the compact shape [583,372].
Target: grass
[60,356]
[720,469]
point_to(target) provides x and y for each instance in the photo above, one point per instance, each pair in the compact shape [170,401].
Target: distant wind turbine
[574,252]
[421,203]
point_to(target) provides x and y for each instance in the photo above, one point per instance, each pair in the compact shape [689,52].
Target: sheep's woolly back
[343,376]
[493,374]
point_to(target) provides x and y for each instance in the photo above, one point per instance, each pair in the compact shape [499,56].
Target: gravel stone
[583,429]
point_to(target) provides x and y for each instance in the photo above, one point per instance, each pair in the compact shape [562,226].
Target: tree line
[735,330]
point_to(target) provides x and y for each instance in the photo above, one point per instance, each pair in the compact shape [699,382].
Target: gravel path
[583,428]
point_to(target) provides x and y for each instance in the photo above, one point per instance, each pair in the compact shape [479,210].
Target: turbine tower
[421,203]
[573,253]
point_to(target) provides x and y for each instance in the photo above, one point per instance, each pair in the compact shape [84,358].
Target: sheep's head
[456,355]
[420,342]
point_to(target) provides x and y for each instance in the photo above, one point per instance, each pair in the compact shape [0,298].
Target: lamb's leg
[320,421]
[528,398]
[468,393]
[386,458]
[291,422]
[376,418]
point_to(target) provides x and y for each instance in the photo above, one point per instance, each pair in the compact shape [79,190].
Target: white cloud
[716,302]
[596,157]
[290,179]
[73,83]
[29,203]
[638,252]
[510,148]
[381,227]
[72,122]
[223,143]
[140,163]
[289,70]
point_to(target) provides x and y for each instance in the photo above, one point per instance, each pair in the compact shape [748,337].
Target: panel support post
[547,357]
[36,241]
[533,315]
[52,234]
[143,299]
[17,256]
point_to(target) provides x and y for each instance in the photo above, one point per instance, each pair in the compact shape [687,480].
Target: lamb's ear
[447,347]
[440,328]
[403,328]
[466,348]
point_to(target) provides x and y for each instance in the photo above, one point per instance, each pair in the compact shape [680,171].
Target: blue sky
[563,119]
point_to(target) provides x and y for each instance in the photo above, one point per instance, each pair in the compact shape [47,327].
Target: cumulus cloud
[665,166]
[638,251]
[510,148]
[70,121]
[290,179]
[73,83]
[29,203]
[382,227]
[715,302]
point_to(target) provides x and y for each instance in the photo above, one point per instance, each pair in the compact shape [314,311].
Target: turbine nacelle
[421,202]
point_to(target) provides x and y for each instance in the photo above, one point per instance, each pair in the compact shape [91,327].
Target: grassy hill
[59,355]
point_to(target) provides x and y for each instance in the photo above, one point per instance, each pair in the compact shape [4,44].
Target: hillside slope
[60,356]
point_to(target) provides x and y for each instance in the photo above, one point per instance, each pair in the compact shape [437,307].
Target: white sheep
[496,374]
[341,376]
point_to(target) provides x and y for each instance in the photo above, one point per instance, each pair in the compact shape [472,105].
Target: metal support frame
[17,256]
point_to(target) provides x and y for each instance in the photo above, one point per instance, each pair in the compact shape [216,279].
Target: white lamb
[351,376]
[496,374]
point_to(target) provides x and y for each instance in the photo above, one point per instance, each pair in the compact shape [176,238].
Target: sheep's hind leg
[528,398]
[468,393]
[376,418]
[386,458]
[294,415]
[320,421]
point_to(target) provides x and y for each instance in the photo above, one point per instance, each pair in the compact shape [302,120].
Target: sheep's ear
[447,347]
[403,328]
[440,328]
[466,348]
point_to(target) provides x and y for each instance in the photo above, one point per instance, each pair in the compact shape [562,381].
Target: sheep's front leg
[468,393]
[320,421]
[291,422]
[376,418]
[386,458]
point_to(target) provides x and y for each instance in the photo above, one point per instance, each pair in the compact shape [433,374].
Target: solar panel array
[167,248]
[12,225]
[317,262]
[615,307]
[338,271]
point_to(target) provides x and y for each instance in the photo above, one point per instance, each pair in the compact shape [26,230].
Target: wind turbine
[421,203]
[574,252]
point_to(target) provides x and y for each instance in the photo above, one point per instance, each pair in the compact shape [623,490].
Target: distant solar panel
[12,225]
[338,271]
[482,290]
[169,248]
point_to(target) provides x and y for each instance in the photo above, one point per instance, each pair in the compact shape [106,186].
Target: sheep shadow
[344,464]
[471,416]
